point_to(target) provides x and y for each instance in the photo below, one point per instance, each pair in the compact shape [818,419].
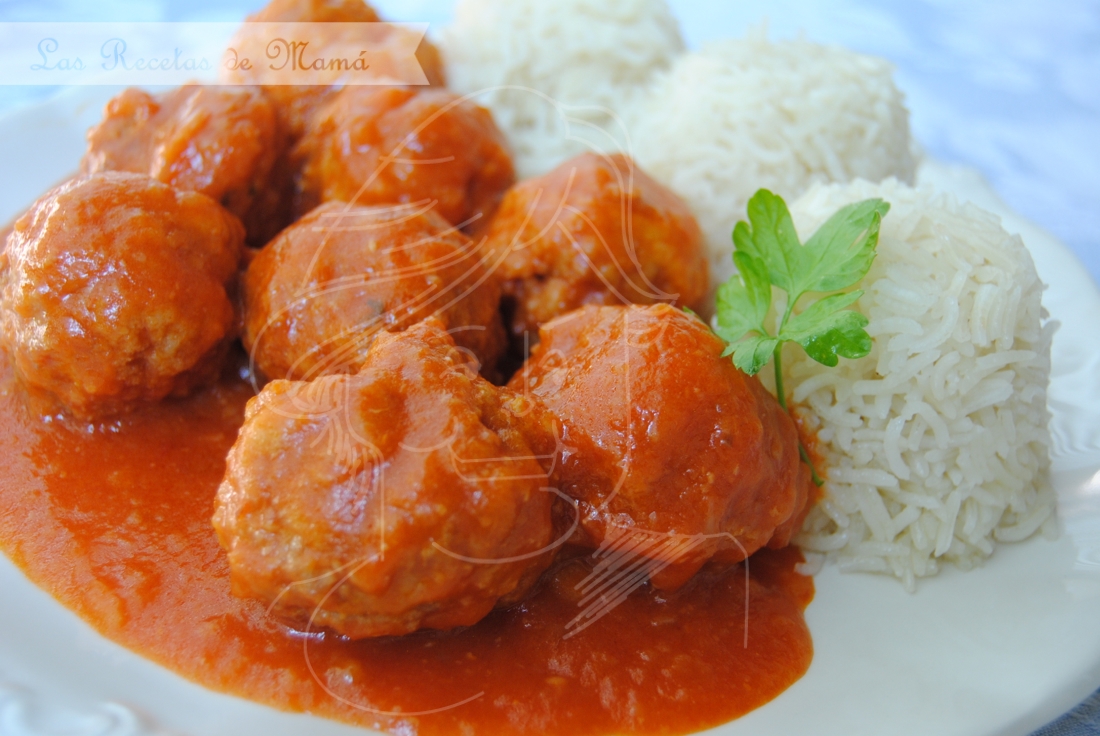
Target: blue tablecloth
[1084,720]
[1011,87]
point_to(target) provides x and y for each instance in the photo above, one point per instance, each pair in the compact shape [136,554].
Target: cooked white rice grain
[936,444]
[748,113]
[559,77]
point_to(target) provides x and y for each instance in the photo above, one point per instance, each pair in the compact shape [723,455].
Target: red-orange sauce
[114,521]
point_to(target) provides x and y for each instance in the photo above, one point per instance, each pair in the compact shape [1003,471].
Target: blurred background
[1010,87]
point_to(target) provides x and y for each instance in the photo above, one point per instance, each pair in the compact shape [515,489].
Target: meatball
[315,298]
[221,142]
[114,290]
[297,103]
[375,145]
[316,11]
[595,230]
[673,452]
[411,495]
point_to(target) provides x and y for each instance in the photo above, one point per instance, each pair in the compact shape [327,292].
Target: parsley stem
[778,360]
[813,471]
[782,396]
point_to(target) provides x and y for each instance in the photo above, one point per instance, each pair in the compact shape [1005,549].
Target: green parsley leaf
[840,253]
[840,334]
[821,316]
[744,302]
[753,353]
[769,254]
[770,236]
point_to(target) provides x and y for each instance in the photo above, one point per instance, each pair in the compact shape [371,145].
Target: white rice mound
[936,443]
[748,113]
[559,77]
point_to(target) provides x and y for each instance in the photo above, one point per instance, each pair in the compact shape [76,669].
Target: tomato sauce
[114,521]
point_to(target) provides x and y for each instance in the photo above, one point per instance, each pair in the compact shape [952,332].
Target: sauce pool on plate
[114,521]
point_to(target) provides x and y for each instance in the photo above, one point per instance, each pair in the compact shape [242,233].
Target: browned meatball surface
[376,145]
[113,290]
[674,454]
[222,142]
[319,293]
[595,230]
[316,11]
[410,495]
[296,104]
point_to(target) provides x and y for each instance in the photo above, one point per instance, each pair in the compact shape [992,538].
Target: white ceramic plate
[1001,650]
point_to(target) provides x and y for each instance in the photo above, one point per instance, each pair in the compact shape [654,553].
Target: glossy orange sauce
[114,521]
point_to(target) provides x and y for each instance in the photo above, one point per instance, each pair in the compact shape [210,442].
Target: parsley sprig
[768,253]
